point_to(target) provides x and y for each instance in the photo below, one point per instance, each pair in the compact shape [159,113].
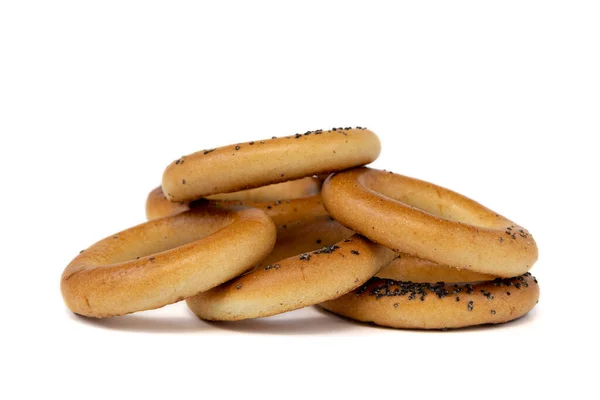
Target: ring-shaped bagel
[166,260]
[415,305]
[295,282]
[250,165]
[281,211]
[295,189]
[428,221]
[410,268]
[158,206]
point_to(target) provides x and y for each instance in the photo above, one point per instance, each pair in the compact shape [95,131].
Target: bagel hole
[430,198]
[160,235]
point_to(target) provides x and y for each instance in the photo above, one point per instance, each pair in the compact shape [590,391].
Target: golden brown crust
[166,260]
[294,282]
[295,189]
[400,304]
[281,211]
[249,165]
[289,211]
[428,221]
[302,233]
[267,198]
[410,268]
[157,205]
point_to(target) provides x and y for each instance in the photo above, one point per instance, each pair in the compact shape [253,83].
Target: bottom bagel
[400,301]
[294,282]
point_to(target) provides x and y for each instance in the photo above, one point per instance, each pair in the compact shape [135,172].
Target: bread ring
[291,211]
[281,211]
[428,221]
[410,268]
[294,282]
[158,206]
[166,260]
[278,191]
[402,304]
[249,165]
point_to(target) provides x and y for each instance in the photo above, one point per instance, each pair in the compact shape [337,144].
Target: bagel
[166,260]
[410,268]
[408,304]
[158,206]
[250,165]
[295,189]
[287,212]
[428,221]
[293,283]
[281,211]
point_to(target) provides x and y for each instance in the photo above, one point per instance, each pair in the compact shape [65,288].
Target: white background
[497,100]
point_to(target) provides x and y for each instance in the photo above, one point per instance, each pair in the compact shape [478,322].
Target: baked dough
[428,221]
[295,282]
[166,260]
[264,162]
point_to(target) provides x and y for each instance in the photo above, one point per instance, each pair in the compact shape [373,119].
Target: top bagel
[249,165]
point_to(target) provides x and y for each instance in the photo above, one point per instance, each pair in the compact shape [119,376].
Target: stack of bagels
[261,228]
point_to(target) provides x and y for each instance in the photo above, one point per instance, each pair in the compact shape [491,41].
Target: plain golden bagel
[281,211]
[412,305]
[158,206]
[264,162]
[410,268]
[428,221]
[166,260]
[295,282]
[295,189]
